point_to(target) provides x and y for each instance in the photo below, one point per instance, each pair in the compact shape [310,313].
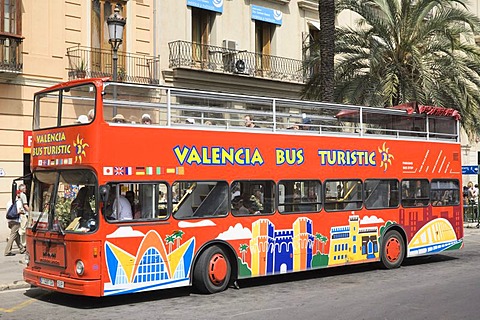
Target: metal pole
[114,75]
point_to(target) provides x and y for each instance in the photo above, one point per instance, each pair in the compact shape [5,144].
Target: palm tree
[409,51]
[169,239]
[243,250]
[318,236]
[323,240]
[326,14]
[178,235]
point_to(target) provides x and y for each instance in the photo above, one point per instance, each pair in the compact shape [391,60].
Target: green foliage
[62,211]
[403,51]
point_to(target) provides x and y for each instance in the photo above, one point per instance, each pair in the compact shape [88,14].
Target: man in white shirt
[122,210]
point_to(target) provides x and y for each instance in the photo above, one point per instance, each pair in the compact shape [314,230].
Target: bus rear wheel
[212,271]
[393,250]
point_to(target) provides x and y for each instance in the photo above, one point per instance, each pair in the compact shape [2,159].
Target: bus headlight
[79,267]
[27,258]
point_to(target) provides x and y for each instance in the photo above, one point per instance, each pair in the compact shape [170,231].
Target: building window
[101,10]
[263,44]
[11,22]
[10,34]
[202,21]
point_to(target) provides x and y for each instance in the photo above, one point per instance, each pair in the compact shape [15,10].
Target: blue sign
[212,5]
[266,14]
[470,169]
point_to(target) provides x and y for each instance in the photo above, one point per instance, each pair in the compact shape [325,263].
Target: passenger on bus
[249,122]
[80,206]
[252,207]
[82,119]
[122,209]
[90,115]
[136,208]
[237,206]
[119,118]
[146,119]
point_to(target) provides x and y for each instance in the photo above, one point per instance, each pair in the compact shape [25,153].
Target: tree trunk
[326,14]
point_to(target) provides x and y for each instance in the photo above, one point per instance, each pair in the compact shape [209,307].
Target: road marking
[21,304]
[18,306]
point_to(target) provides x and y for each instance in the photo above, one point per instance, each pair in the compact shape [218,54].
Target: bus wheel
[212,271]
[393,250]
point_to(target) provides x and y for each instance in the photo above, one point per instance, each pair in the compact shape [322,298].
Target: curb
[19,284]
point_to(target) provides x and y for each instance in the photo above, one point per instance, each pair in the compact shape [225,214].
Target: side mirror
[104,191]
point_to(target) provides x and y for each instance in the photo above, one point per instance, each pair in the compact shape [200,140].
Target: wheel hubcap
[217,271]
[393,249]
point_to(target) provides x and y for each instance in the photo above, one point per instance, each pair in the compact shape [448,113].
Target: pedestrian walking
[24,214]
[14,226]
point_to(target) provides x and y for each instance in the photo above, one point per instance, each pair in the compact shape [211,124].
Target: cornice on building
[311,5]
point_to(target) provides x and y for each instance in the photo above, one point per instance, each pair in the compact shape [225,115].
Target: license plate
[60,284]
[47,282]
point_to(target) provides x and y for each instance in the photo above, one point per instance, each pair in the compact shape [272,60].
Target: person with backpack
[14,226]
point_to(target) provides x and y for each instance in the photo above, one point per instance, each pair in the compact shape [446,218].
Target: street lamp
[115,23]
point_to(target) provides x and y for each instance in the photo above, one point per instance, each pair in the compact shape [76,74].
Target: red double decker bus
[139,187]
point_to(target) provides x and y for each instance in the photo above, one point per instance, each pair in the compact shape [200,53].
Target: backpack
[12,212]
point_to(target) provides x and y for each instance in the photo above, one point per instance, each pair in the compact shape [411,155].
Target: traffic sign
[470,169]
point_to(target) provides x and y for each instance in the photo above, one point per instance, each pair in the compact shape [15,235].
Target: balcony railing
[10,54]
[86,62]
[192,55]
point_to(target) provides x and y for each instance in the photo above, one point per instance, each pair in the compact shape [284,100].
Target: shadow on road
[80,302]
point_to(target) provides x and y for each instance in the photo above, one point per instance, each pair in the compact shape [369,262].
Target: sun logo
[79,149]
[386,158]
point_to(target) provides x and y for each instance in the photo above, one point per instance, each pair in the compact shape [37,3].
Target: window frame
[415,203]
[386,207]
[254,182]
[319,188]
[325,202]
[432,190]
[175,206]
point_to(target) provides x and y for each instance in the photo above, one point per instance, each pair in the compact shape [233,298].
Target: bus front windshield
[64,201]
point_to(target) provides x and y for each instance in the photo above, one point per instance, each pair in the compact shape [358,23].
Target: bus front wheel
[212,271]
[393,250]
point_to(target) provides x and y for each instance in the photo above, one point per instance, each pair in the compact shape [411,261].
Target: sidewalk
[11,268]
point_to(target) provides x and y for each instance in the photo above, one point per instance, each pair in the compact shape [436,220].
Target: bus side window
[252,197]
[299,196]
[381,193]
[415,192]
[200,199]
[343,195]
[445,192]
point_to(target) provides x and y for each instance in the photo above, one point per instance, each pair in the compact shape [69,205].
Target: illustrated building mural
[352,242]
[279,251]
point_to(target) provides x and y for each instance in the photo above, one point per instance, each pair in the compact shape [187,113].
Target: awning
[315,24]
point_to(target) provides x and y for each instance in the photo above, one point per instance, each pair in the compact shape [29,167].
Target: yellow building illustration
[352,243]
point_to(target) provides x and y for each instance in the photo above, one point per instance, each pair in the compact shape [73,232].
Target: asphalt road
[445,286]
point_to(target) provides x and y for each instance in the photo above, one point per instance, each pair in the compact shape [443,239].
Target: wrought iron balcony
[86,62]
[192,55]
[10,54]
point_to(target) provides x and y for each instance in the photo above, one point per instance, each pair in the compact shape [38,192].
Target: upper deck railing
[174,107]
[126,104]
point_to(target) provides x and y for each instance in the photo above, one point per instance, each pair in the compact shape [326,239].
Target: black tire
[393,250]
[212,271]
